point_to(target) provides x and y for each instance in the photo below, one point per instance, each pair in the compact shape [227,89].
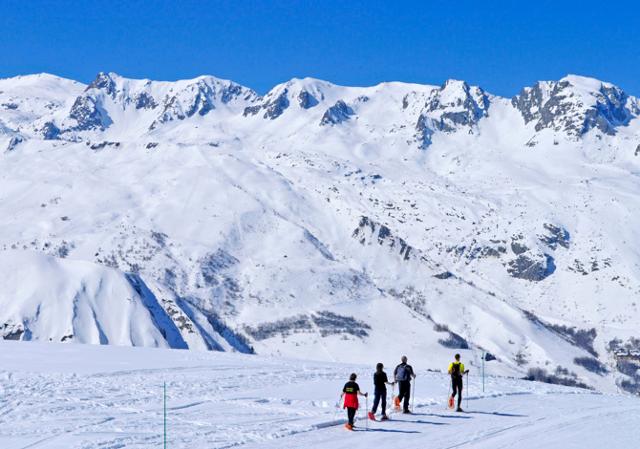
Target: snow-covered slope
[72,396]
[327,222]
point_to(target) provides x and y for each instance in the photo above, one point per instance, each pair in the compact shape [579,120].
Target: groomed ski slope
[80,396]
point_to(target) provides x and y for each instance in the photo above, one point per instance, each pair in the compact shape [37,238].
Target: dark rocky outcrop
[336,114]
[555,105]
[274,106]
[555,236]
[14,141]
[517,246]
[530,269]
[371,231]
[12,331]
[453,106]
[145,101]
[105,82]
[306,100]
[89,114]
[50,131]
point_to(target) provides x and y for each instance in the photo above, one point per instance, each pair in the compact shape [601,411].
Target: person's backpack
[455,369]
[402,372]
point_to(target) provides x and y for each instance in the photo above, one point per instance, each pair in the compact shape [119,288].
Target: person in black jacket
[380,382]
[403,375]
[456,370]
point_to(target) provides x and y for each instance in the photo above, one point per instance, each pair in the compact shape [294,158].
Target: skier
[350,392]
[403,375]
[456,370]
[380,382]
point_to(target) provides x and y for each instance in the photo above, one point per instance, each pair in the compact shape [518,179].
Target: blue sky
[501,46]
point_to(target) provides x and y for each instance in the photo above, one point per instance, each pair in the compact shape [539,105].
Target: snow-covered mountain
[327,222]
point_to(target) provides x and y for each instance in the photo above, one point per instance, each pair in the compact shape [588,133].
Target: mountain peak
[576,105]
[452,106]
[454,84]
[104,81]
[584,82]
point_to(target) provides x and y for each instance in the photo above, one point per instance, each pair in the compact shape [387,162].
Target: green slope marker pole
[165,414]
[483,356]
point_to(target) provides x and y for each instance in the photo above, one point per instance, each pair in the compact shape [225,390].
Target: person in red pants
[350,392]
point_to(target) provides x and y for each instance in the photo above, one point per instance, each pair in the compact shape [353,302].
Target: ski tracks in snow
[254,402]
[212,406]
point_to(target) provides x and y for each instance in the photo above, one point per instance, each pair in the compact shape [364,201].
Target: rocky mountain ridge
[393,218]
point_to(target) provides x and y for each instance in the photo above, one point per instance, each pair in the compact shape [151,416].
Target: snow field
[84,396]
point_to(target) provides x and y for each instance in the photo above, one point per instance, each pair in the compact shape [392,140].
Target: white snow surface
[56,396]
[399,218]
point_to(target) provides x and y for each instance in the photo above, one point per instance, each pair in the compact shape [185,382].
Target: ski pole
[335,414]
[366,412]
[413,395]
[392,406]
[467,398]
[449,387]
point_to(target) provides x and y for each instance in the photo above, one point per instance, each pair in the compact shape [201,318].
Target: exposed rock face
[517,246]
[145,101]
[454,106]
[104,82]
[575,106]
[535,264]
[555,236]
[371,231]
[108,90]
[532,269]
[11,331]
[424,131]
[14,142]
[251,110]
[336,114]
[50,131]
[479,250]
[88,114]
[273,106]
[306,100]
[197,98]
